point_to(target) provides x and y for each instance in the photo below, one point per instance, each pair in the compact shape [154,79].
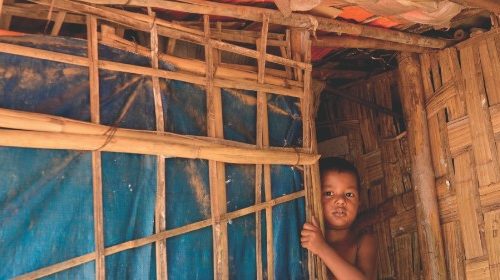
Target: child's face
[340,199]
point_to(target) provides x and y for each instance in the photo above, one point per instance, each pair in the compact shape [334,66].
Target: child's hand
[312,238]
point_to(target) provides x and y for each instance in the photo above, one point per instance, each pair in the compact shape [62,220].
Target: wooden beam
[294,20]
[364,43]
[422,174]
[490,5]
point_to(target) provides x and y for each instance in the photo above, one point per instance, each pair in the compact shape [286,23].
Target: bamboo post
[301,49]
[92,52]
[422,174]
[263,141]
[216,169]
[160,215]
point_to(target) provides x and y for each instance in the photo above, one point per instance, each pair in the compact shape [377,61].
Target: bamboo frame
[44,131]
[156,237]
[275,17]
[134,69]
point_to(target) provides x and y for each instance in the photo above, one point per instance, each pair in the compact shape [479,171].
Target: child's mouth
[339,212]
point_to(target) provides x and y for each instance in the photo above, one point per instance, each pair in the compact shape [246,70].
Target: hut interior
[180,139]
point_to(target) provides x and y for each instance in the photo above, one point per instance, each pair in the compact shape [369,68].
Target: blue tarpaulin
[46,200]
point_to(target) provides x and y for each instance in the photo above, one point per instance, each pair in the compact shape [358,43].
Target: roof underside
[336,57]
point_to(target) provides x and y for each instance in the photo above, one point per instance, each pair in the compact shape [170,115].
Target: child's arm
[313,240]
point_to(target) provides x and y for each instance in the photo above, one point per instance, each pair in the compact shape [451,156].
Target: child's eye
[349,194]
[328,193]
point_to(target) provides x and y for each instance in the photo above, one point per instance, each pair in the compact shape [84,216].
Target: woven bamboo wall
[377,145]
[462,88]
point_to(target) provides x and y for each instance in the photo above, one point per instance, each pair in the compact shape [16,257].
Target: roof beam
[364,43]
[276,17]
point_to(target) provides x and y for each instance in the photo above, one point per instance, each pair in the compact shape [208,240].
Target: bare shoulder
[367,240]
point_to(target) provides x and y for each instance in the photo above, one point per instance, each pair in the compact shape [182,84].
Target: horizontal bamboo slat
[44,131]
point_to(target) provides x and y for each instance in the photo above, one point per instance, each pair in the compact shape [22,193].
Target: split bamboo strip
[134,69]
[58,23]
[198,67]
[483,145]
[156,237]
[160,214]
[46,123]
[92,52]
[42,272]
[275,17]
[216,169]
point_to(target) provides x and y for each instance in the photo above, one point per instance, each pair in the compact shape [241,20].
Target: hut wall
[170,172]
[462,89]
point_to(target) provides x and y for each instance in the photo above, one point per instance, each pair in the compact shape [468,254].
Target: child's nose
[340,200]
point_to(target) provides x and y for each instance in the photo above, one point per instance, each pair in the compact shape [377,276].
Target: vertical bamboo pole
[261,118]
[422,174]
[160,222]
[92,53]
[301,50]
[216,169]
[263,141]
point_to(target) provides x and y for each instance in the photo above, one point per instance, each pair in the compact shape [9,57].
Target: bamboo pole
[46,123]
[260,45]
[134,69]
[160,222]
[422,174]
[92,53]
[275,17]
[216,169]
[156,237]
[301,49]
[262,140]
[364,43]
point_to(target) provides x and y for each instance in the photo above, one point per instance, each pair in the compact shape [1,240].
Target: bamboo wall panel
[20,129]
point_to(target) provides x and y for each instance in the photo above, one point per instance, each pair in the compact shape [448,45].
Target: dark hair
[339,165]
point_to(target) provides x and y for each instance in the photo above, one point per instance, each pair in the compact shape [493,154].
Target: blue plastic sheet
[46,198]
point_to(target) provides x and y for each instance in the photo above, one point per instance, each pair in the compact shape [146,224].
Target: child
[346,253]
